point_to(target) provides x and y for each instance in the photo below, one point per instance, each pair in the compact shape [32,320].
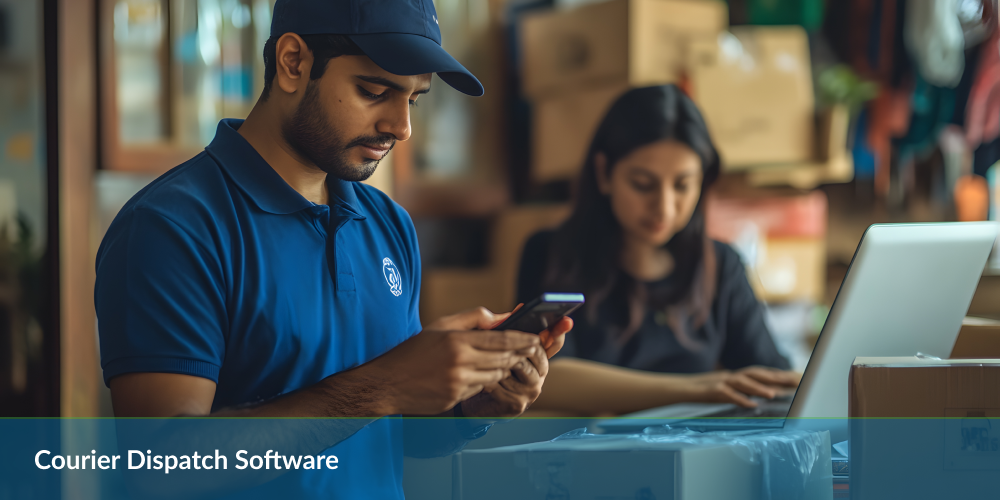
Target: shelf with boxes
[752,83]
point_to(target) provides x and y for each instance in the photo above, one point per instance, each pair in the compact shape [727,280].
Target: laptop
[905,293]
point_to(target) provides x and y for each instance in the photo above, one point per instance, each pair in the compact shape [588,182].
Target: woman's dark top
[734,335]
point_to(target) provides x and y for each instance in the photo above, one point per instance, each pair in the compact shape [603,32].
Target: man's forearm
[351,394]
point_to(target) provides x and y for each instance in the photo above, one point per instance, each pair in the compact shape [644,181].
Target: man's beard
[312,137]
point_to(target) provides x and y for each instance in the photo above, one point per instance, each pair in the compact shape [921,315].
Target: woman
[666,306]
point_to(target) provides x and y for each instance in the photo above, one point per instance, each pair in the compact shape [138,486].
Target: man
[259,279]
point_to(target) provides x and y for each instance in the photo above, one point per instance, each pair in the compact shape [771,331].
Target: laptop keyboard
[773,408]
[758,412]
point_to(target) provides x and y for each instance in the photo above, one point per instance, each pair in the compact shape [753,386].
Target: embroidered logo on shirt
[392,277]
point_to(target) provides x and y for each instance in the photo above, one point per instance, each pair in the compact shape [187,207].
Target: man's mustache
[374,142]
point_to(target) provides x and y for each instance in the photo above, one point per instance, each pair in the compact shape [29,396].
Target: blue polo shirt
[219,269]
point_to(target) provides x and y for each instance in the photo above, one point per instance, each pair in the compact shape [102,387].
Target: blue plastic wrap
[789,460]
[662,462]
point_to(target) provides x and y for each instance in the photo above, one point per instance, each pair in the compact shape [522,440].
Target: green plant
[841,85]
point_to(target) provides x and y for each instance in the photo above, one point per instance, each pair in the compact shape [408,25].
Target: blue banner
[527,458]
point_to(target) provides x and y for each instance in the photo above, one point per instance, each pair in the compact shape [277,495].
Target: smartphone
[543,312]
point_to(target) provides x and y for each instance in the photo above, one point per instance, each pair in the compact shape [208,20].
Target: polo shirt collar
[343,197]
[262,184]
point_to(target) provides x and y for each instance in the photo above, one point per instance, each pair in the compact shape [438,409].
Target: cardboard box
[979,338]
[563,127]
[617,467]
[986,301]
[832,164]
[924,428]
[907,387]
[783,239]
[637,42]
[762,119]
[754,88]
[788,269]
[774,216]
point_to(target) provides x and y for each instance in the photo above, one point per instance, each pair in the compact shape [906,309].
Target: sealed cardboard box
[906,387]
[754,88]
[563,127]
[924,428]
[832,163]
[637,42]
[979,338]
[746,465]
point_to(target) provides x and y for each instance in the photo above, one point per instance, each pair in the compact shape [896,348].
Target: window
[171,69]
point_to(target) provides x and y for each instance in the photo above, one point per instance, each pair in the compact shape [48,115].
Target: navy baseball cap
[401,36]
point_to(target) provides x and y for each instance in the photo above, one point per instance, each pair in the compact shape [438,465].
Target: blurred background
[829,115]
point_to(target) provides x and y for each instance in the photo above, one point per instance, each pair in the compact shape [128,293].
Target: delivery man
[261,279]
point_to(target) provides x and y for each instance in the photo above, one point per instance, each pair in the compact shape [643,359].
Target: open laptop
[906,291]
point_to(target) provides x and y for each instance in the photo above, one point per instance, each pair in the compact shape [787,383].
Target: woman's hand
[737,386]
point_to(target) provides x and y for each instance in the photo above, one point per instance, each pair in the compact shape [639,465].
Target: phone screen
[543,312]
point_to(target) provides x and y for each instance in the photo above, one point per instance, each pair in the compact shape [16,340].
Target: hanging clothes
[936,41]
[890,111]
[986,155]
[932,108]
[864,157]
[805,13]
[846,28]
[982,113]
[890,117]
[978,18]
[979,112]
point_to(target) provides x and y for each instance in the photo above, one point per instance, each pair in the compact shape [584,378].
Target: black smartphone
[543,312]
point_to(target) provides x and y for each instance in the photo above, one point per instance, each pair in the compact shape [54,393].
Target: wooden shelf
[460,198]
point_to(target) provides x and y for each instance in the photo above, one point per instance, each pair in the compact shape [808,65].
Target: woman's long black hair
[585,250]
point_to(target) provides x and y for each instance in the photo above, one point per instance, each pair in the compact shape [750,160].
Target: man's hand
[450,361]
[513,395]
[738,386]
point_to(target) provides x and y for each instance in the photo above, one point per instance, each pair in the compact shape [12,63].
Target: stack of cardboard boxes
[577,61]
[753,85]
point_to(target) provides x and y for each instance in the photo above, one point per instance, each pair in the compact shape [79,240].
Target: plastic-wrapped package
[661,463]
